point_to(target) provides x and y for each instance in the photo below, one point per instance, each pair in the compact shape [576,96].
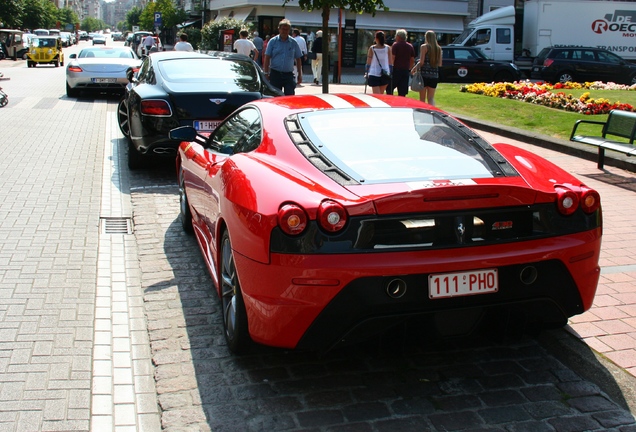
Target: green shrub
[210,33]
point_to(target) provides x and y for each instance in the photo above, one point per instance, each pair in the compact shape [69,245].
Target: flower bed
[541,94]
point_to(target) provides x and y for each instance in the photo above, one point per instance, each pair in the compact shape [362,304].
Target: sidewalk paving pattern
[75,301]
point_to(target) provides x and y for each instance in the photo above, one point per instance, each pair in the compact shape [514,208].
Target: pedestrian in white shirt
[303,47]
[183,44]
[245,46]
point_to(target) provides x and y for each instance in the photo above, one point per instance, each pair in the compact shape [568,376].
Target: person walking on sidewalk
[403,61]
[379,65]
[258,43]
[316,64]
[428,66]
[183,44]
[302,43]
[281,55]
[245,46]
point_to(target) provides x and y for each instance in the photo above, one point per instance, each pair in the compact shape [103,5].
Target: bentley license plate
[104,80]
[446,285]
[205,125]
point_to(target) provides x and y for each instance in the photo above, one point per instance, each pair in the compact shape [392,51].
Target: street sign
[157,19]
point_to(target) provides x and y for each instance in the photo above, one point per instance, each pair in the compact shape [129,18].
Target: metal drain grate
[116,225]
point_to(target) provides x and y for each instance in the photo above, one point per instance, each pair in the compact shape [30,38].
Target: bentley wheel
[234,314]
[135,159]
[184,206]
[122,117]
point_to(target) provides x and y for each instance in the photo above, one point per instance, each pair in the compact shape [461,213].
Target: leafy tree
[132,17]
[210,32]
[67,16]
[39,14]
[11,13]
[91,24]
[356,6]
[170,15]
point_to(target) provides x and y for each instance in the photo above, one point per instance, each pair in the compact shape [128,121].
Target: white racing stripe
[334,101]
[371,101]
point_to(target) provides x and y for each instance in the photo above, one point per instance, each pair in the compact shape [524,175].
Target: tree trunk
[325,49]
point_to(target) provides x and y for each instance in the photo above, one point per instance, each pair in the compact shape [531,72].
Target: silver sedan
[100,69]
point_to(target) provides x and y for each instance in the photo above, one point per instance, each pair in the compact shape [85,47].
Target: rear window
[206,70]
[106,53]
[543,54]
[412,145]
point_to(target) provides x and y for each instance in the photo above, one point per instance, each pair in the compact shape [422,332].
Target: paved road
[105,330]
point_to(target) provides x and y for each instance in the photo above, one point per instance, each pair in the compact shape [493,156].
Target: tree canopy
[210,32]
[170,15]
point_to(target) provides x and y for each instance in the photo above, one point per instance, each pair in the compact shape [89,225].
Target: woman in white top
[379,64]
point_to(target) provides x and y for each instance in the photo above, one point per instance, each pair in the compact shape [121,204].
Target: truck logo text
[620,20]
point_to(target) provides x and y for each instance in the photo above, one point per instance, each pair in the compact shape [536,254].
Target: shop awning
[241,14]
[300,18]
[419,22]
[187,23]
[223,14]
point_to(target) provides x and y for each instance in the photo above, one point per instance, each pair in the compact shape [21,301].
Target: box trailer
[604,24]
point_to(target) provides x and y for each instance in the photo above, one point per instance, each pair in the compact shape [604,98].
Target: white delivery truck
[604,24]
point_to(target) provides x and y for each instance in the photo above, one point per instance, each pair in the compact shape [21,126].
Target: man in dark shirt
[403,61]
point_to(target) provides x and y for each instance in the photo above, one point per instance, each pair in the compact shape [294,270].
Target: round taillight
[590,200]
[332,217]
[292,219]
[567,201]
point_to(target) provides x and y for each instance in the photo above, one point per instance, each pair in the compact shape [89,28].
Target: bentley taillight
[292,219]
[156,107]
[332,216]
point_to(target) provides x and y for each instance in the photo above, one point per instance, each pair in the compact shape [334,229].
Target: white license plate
[201,125]
[104,80]
[535,69]
[446,285]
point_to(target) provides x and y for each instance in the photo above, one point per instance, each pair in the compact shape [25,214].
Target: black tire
[30,64]
[57,63]
[71,92]
[135,159]
[565,76]
[184,206]
[503,76]
[122,117]
[234,314]
[4,100]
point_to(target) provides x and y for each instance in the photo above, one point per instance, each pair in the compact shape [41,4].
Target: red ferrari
[324,219]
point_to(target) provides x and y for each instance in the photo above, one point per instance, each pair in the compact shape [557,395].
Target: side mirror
[183,133]
[73,56]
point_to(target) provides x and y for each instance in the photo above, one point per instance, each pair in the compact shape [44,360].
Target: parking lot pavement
[89,316]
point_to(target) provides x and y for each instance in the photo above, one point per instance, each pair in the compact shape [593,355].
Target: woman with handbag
[379,65]
[428,66]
